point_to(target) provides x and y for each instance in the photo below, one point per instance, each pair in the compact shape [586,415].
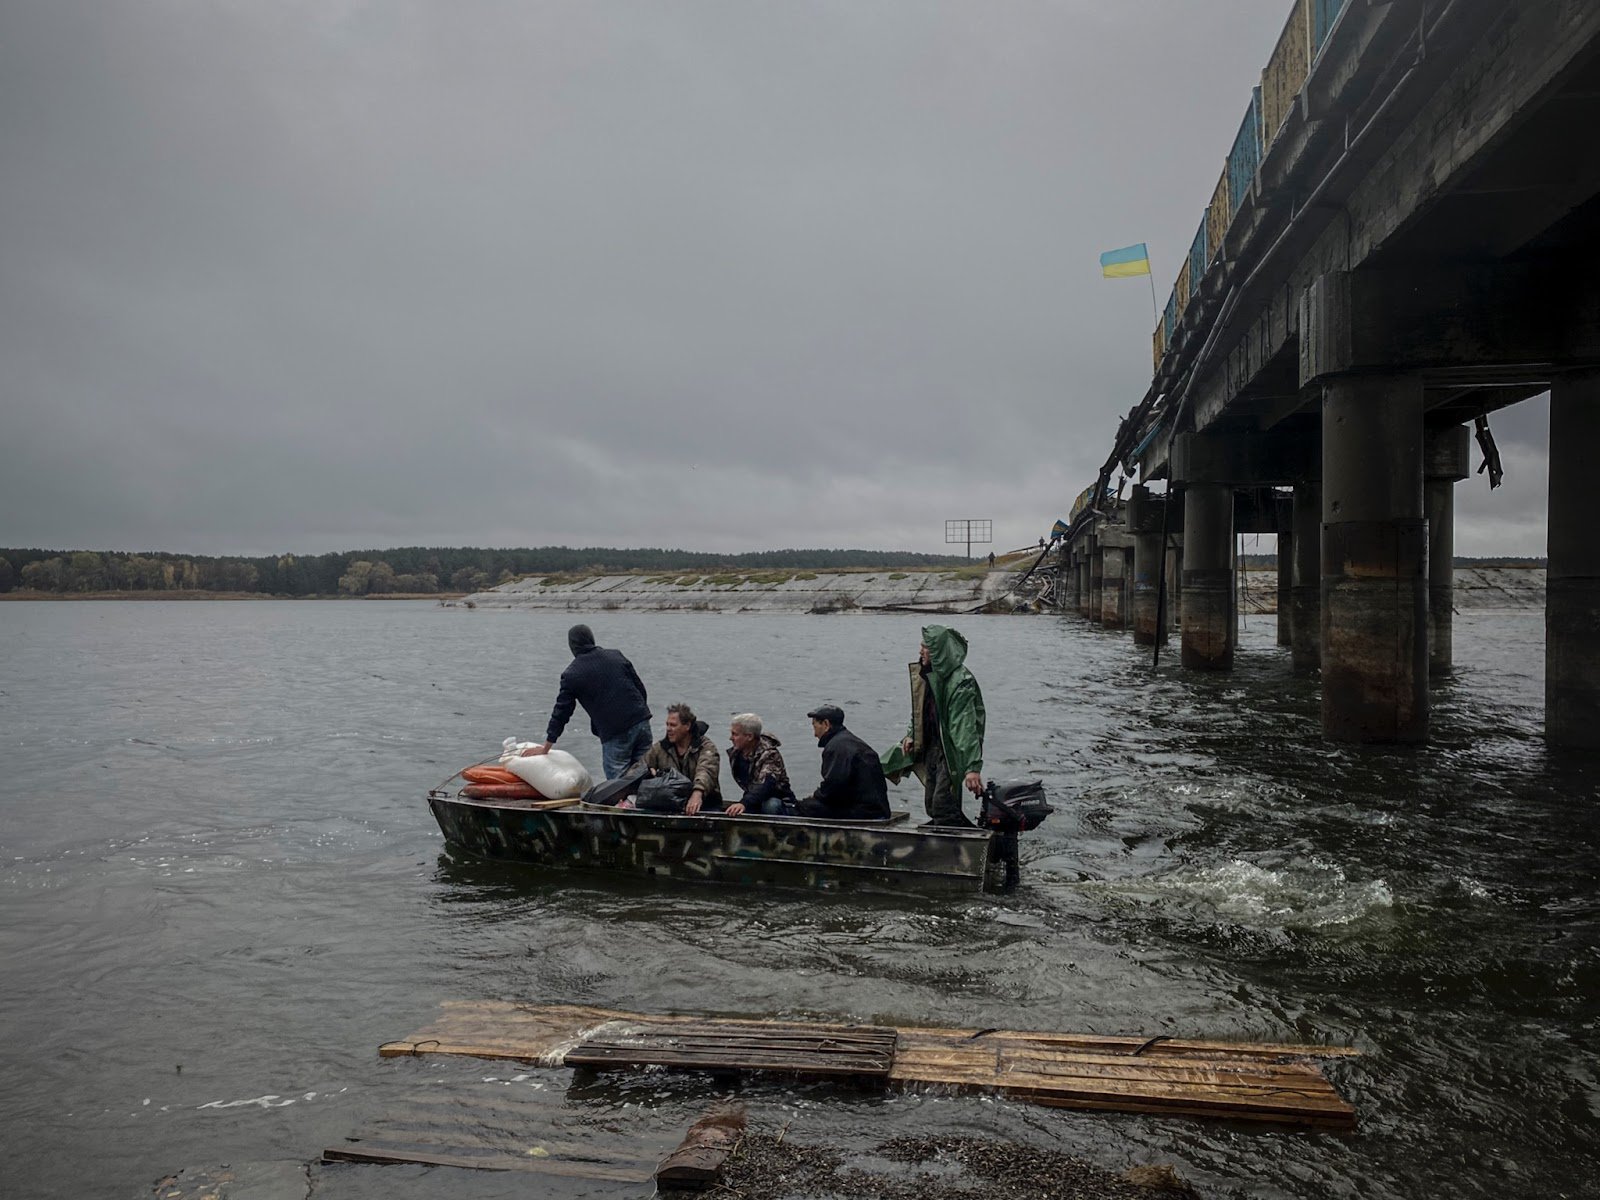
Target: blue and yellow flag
[1130,260]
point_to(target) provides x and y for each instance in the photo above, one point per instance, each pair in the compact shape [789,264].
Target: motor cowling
[1014,806]
[1011,807]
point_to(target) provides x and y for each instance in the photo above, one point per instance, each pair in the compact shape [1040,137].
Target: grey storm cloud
[727,276]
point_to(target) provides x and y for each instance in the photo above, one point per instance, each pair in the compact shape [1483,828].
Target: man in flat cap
[613,695]
[852,787]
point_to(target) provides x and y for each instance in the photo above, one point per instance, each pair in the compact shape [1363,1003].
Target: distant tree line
[407,569]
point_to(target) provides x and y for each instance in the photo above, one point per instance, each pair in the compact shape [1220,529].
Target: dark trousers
[942,794]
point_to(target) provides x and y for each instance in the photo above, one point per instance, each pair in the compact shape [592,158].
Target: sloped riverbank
[961,590]
[969,589]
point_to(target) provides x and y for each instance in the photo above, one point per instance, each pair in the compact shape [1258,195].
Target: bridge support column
[1148,563]
[1305,595]
[1446,462]
[1374,561]
[1114,588]
[1572,582]
[1174,580]
[1285,578]
[1208,617]
[1096,579]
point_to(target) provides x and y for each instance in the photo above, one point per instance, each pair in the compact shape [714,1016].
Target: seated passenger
[687,750]
[758,769]
[853,787]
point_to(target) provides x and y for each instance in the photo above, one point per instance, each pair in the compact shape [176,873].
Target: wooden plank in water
[390,1153]
[517,1030]
[861,1052]
[1133,1046]
[1277,1082]
[495,1125]
[1258,1088]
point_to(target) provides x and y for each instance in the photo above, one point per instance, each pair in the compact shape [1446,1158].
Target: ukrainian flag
[1130,260]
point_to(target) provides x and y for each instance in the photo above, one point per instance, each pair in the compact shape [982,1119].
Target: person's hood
[768,740]
[947,649]
[580,640]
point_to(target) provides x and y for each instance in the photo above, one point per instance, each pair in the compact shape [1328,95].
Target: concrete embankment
[965,590]
[937,591]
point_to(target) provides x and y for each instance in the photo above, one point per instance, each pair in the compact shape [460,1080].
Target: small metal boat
[791,852]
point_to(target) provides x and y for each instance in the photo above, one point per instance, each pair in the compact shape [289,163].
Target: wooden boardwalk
[1240,1081]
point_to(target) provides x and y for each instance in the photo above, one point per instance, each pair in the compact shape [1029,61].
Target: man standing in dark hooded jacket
[613,695]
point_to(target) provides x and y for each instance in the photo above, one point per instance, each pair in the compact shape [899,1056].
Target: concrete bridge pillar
[1446,461]
[1572,583]
[1174,604]
[1305,594]
[1285,576]
[1114,588]
[1083,582]
[1208,617]
[1148,563]
[1374,561]
[1096,579]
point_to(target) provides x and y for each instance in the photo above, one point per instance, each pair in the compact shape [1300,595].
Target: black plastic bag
[614,791]
[665,793]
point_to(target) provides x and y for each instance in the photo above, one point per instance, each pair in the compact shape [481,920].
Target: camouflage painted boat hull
[758,851]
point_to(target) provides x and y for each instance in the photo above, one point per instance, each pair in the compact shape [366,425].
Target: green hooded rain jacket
[960,705]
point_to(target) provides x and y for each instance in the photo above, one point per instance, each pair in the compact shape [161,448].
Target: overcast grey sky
[305,275]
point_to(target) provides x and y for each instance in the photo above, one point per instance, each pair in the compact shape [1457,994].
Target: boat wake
[1309,894]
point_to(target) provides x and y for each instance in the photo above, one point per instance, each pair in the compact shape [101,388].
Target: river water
[222,891]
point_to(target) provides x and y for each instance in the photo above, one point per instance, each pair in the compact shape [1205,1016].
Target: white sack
[557,775]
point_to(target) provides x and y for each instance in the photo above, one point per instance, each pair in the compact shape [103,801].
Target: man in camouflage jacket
[758,769]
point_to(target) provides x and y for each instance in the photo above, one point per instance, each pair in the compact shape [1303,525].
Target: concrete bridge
[1405,238]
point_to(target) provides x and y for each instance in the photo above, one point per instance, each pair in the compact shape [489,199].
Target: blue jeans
[621,752]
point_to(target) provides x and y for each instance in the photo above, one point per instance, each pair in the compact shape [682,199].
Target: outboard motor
[1009,808]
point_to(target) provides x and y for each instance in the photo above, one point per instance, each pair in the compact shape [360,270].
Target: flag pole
[1154,311]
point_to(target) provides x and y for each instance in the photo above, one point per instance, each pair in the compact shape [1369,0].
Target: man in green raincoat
[944,742]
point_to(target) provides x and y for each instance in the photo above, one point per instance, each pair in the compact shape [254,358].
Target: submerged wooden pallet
[862,1053]
[1243,1081]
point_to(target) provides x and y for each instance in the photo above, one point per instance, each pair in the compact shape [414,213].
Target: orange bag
[501,791]
[489,773]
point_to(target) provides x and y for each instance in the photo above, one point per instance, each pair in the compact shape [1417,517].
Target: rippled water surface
[222,890]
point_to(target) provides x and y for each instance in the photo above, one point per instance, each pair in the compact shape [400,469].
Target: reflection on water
[223,890]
